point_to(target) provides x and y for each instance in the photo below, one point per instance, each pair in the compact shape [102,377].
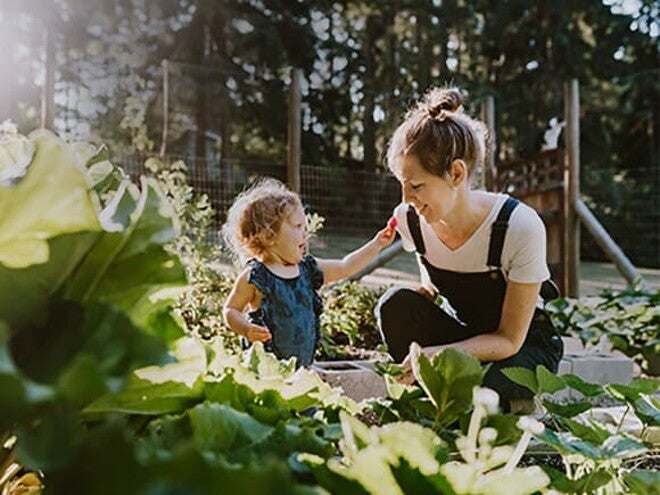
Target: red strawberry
[392,223]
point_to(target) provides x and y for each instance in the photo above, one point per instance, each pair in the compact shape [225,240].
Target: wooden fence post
[294,131]
[488,117]
[572,188]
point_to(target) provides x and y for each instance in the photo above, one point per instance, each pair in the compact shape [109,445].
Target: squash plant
[86,288]
[628,319]
[597,457]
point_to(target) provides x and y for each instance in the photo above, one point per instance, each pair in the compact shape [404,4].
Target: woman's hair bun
[442,99]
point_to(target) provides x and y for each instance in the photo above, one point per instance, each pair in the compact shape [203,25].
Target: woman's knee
[398,307]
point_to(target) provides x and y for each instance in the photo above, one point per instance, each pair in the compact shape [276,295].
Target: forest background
[228,64]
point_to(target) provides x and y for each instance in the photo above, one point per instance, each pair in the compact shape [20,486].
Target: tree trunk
[201,117]
[48,91]
[217,31]
[368,124]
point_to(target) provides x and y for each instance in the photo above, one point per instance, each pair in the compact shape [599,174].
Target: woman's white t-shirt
[523,253]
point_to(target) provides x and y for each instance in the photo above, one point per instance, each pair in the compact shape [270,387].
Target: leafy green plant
[210,280]
[408,458]
[628,319]
[348,319]
[444,394]
[596,456]
[86,285]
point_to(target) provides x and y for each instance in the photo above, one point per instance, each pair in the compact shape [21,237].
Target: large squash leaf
[52,199]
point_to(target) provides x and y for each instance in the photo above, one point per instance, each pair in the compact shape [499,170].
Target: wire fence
[359,202]
[352,202]
[627,204]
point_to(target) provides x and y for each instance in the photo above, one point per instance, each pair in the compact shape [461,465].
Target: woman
[483,252]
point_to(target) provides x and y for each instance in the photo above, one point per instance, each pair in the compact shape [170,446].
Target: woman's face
[431,196]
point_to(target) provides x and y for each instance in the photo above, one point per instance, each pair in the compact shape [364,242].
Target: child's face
[291,240]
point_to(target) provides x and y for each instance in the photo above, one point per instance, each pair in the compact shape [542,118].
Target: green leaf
[549,382]
[356,435]
[220,429]
[586,484]
[411,480]
[647,408]
[566,443]
[13,401]
[128,267]
[622,447]
[55,179]
[83,380]
[269,407]
[25,293]
[505,424]
[147,398]
[647,386]
[97,330]
[426,375]
[585,388]
[50,442]
[567,410]
[448,381]
[265,364]
[643,482]
[522,376]
[591,433]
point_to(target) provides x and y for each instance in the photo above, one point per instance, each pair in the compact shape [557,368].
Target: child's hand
[257,333]
[386,236]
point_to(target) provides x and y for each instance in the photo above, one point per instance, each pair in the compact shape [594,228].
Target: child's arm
[358,259]
[242,294]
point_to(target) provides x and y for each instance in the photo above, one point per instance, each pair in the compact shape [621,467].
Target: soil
[649,461]
[350,353]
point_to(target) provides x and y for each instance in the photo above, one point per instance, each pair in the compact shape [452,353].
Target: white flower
[529,427]
[486,398]
[526,423]
[487,436]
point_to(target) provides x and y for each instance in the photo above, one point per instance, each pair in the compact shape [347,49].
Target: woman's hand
[408,378]
[430,295]
[257,333]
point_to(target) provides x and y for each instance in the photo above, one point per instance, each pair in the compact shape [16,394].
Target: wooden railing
[538,180]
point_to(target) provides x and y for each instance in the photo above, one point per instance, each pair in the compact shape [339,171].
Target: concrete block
[565,366]
[594,368]
[357,378]
[602,368]
[573,345]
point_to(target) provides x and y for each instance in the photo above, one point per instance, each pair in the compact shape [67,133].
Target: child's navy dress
[290,309]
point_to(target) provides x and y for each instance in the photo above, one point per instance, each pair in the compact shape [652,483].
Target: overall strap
[415,230]
[498,232]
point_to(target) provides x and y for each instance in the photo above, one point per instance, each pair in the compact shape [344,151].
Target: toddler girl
[266,225]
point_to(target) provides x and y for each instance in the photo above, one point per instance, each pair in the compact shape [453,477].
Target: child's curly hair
[256,216]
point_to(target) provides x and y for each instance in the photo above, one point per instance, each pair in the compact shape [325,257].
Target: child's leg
[405,316]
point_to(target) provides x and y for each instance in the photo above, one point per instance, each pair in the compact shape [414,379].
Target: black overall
[404,315]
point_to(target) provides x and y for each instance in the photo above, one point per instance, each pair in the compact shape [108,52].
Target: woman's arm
[358,259]
[517,312]
[242,295]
